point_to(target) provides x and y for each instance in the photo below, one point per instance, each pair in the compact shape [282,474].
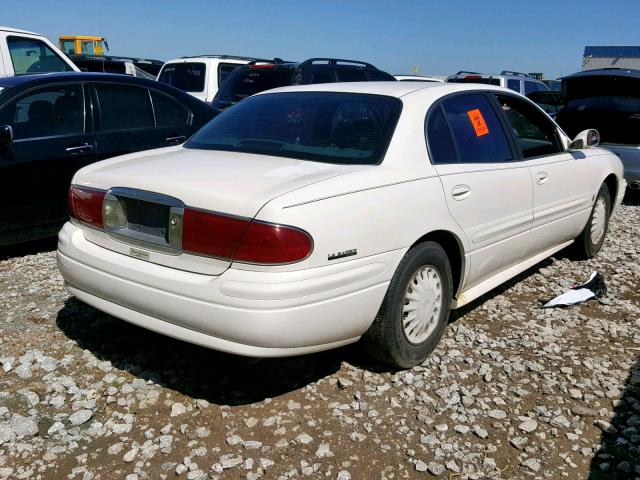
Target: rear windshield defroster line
[329,127]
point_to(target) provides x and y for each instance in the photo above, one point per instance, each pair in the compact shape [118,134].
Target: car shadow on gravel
[29,248]
[632,197]
[618,457]
[192,370]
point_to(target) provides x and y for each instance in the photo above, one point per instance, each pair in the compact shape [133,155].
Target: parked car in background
[52,125]
[550,102]
[417,78]
[24,53]
[554,85]
[608,100]
[259,76]
[308,217]
[516,81]
[201,76]
[88,53]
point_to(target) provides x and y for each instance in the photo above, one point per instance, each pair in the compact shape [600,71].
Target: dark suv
[259,76]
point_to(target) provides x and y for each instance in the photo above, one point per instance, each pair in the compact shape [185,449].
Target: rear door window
[168,111]
[513,84]
[187,76]
[46,112]
[243,83]
[224,69]
[124,107]
[530,87]
[322,75]
[476,129]
[29,55]
[535,133]
[351,75]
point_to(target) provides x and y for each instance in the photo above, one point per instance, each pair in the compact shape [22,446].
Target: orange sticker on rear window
[477,120]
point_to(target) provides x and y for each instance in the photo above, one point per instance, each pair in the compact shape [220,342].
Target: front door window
[46,112]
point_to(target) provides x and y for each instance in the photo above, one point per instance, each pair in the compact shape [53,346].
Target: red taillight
[473,76]
[210,233]
[85,205]
[270,243]
[261,66]
[243,240]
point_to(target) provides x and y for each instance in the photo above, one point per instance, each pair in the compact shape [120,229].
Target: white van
[23,53]
[200,76]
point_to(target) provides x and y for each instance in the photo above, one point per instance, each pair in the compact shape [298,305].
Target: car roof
[390,89]
[67,76]
[612,72]
[17,30]
[210,58]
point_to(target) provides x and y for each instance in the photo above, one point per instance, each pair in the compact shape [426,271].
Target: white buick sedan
[306,218]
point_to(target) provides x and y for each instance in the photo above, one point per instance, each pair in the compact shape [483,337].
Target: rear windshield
[188,76]
[340,128]
[485,80]
[244,82]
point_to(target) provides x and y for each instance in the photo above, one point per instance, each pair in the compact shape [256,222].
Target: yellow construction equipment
[86,45]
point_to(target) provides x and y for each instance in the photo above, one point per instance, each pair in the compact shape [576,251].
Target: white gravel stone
[23,426]
[80,417]
[529,425]
[178,409]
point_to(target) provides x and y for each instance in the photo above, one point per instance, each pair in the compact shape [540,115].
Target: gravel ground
[513,391]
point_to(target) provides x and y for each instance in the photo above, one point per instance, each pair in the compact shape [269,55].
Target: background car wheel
[415,310]
[590,240]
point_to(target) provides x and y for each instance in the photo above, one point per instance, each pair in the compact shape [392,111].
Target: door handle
[176,139]
[460,192]
[542,178]
[78,149]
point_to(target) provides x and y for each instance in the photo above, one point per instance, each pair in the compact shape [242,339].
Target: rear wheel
[415,310]
[590,240]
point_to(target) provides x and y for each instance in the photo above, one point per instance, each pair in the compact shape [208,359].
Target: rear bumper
[253,313]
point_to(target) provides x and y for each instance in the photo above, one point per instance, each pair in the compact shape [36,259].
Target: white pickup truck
[23,52]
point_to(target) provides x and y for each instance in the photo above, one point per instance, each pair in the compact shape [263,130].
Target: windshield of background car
[484,80]
[244,82]
[330,127]
[188,76]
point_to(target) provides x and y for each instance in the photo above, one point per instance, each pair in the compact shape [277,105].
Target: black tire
[584,246]
[386,339]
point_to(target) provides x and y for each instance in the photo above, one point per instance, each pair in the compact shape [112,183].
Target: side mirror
[6,135]
[585,139]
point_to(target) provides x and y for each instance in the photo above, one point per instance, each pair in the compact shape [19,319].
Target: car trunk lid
[148,194]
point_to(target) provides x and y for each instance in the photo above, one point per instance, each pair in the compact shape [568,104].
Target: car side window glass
[441,147]
[169,112]
[322,75]
[46,112]
[534,132]
[513,84]
[348,75]
[30,55]
[476,129]
[123,107]
[530,87]
[225,69]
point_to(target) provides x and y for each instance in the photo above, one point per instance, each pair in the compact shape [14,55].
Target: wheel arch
[612,184]
[454,249]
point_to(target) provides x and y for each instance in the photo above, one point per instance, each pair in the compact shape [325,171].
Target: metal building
[611,57]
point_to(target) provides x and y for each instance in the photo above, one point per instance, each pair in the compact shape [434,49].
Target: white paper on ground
[571,297]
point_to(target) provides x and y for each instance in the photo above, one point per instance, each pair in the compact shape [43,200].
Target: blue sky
[439,37]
